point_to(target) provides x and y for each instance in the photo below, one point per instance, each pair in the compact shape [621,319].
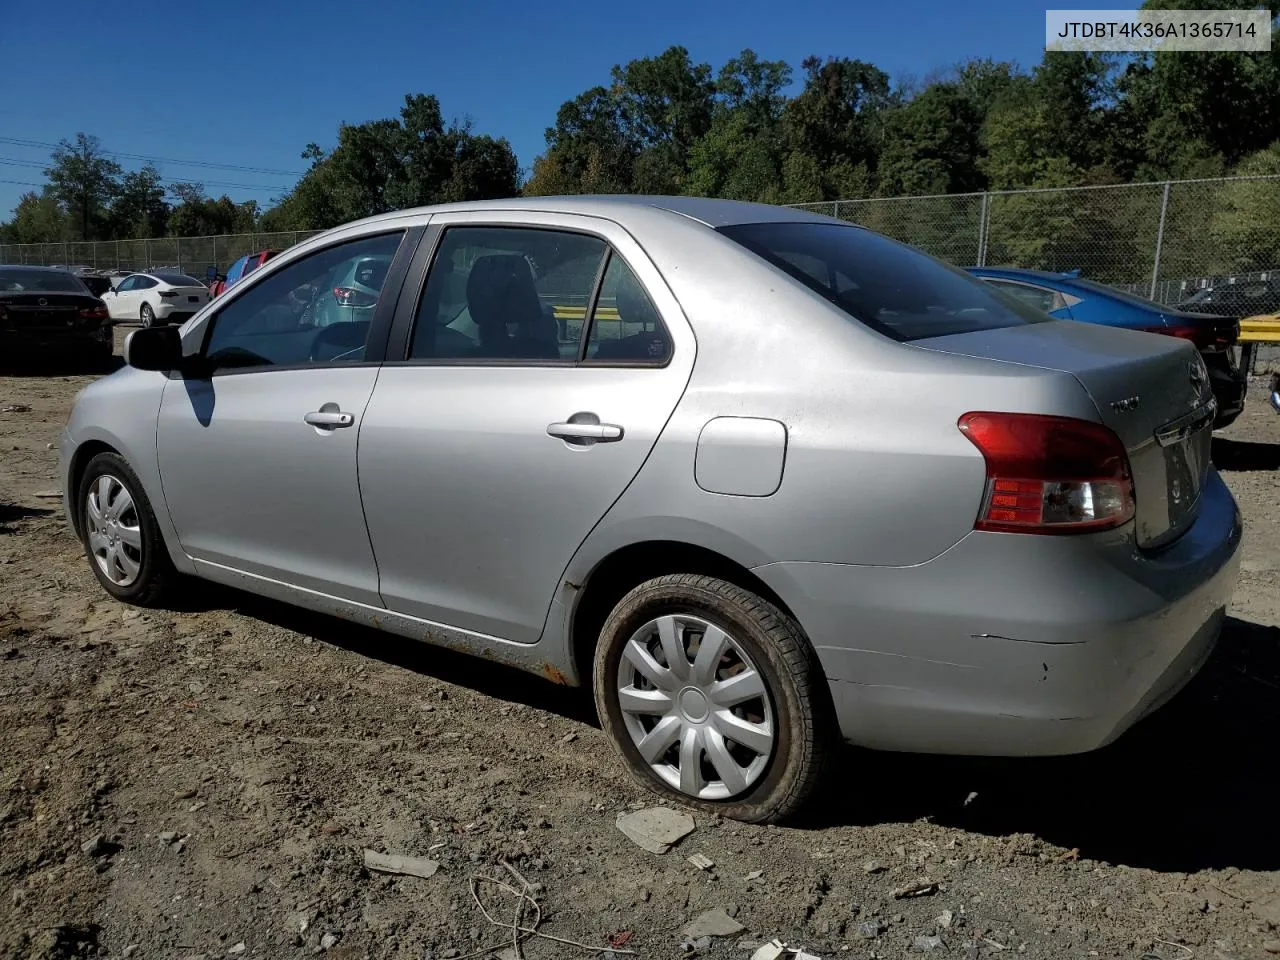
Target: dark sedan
[1245,299]
[1068,296]
[45,310]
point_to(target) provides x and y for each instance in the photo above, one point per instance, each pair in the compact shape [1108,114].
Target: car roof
[32,266]
[707,210]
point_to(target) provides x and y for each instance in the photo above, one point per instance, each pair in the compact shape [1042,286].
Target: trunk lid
[39,309]
[1152,390]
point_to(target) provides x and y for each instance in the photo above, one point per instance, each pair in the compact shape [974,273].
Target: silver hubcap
[696,707]
[115,535]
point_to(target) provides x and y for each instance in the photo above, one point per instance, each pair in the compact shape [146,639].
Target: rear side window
[178,280]
[625,326]
[251,265]
[892,288]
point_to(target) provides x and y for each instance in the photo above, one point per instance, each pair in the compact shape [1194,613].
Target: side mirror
[154,348]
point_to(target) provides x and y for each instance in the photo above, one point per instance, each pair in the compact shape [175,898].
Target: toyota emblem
[1196,374]
[43,302]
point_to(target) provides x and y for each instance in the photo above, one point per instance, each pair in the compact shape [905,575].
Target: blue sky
[250,84]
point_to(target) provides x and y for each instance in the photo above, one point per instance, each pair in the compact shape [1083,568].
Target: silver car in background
[763,480]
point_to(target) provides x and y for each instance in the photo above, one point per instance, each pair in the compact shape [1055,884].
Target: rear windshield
[44,281]
[1092,286]
[890,287]
[177,280]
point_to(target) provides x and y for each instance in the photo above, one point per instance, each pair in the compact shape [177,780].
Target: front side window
[890,287]
[507,294]
[126,284]
[316,310]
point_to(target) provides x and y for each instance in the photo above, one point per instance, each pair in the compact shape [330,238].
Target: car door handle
[329,418]
[589,432]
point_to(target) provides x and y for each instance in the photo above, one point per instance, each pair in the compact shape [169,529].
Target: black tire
[147,315]
[804,719]
[156,577]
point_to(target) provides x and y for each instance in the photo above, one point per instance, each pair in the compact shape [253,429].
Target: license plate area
[1185,445]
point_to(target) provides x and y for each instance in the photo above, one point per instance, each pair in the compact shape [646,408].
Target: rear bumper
[37,338]
[1012,645]
[177,311]
[1229,384]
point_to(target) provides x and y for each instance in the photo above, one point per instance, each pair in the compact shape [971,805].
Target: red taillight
[1050,474]
[167,294]
[93,313]
[1222,334]
[350,297]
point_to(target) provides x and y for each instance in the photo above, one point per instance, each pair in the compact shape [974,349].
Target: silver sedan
[763,480]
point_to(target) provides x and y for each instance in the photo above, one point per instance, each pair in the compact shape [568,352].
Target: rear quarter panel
[876,471]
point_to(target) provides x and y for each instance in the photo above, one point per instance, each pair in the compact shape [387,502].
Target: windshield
[177,280]
[892,288]
[42,281]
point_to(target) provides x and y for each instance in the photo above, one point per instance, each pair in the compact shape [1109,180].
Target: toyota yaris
[763,480]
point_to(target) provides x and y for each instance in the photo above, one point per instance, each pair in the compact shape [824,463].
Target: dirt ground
[201,782]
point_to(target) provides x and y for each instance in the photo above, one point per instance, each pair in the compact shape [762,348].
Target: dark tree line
[753,129]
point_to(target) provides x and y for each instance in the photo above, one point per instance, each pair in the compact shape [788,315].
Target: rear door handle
[585,432]
[329,419]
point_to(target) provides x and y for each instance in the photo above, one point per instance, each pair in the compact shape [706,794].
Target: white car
[155,298]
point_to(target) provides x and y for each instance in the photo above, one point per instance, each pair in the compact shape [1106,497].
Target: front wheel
[121,536]
[714,697]
[148,315]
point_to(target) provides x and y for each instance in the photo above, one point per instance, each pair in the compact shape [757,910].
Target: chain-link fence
[1162,240]
[192,255]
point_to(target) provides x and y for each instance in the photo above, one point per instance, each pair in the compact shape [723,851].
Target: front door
[122,301]
[489,452]
[258,453]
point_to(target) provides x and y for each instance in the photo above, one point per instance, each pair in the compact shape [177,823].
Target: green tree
[931,145]
[38,218]
[392,164]
[199,216]
[1022,150]
[665,104]
[834,129]
[1245,215]
[740,157]
[85,180]
[139,209]
[589,150]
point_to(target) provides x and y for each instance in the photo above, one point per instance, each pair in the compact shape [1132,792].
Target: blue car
[1066,296]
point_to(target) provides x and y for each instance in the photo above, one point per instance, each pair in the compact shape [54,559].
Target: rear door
[541,359]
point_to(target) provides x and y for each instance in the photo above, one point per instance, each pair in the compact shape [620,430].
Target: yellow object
[577,313]
[1264,328]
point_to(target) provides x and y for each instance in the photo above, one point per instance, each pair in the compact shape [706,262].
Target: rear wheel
[713,696]
[148,315]
[121,536]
